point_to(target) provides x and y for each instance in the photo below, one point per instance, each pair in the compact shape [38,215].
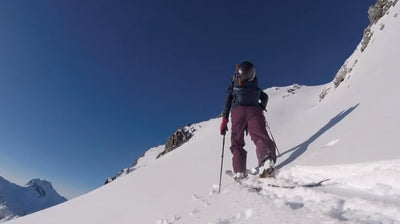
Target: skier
[247,102]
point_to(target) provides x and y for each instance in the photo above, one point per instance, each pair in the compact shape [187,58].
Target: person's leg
[239,155]
[265,147]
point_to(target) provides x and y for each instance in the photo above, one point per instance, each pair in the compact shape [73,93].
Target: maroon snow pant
[250,118]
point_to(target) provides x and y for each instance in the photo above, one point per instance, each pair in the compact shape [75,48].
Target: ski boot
[269,170]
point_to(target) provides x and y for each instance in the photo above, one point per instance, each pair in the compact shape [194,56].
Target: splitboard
[258,187]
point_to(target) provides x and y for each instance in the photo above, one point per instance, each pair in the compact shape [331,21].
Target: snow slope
[349,137]
[34,196]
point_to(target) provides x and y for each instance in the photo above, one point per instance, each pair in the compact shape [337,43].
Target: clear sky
[87,86]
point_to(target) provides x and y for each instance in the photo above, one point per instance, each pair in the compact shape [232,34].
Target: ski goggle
[240,82]
[238,73]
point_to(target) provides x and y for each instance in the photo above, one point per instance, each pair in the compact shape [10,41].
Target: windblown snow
[349,137]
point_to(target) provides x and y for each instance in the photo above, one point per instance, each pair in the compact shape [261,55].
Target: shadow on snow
[301,148]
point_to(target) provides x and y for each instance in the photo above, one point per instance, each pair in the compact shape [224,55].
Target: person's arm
[228,103]
[226,110]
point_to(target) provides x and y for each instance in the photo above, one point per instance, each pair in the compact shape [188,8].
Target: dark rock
[179,137]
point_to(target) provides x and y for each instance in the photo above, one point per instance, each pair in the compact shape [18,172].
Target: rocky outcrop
[292,90]
[375,12]
[343,71]
[178,138]
[380,8]
[123,172]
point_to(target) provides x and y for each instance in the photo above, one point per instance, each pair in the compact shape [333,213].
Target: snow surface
[350,137]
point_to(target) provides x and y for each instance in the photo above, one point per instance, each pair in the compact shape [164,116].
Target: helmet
[246,71]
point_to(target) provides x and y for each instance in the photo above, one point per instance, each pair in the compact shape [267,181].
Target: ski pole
[222,163]
[270,132]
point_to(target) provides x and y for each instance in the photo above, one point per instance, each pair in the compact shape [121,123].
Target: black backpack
[246,93]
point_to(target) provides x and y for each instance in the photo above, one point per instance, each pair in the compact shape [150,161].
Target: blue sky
[87,86]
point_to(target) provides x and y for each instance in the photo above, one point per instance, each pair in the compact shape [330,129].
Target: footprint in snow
[195,211]
[246,214]
[204,201]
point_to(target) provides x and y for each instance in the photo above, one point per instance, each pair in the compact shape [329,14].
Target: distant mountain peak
[40,186]
[38,182]
[18,200]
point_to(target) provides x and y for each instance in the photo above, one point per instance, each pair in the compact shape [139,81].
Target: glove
[224,126]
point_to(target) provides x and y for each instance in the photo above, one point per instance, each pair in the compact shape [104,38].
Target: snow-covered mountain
[18,201]
[345,131]
[178,138]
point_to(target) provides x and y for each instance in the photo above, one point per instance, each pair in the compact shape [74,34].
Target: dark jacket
[247,94]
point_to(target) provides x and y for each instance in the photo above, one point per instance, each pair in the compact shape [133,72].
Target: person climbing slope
[246,102]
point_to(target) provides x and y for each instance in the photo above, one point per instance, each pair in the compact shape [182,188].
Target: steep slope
[178,138]
[19,201]
[350,136]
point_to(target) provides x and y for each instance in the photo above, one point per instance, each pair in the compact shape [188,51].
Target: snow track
[358,196]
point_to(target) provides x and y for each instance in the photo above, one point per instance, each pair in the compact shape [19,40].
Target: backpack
[247,93]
